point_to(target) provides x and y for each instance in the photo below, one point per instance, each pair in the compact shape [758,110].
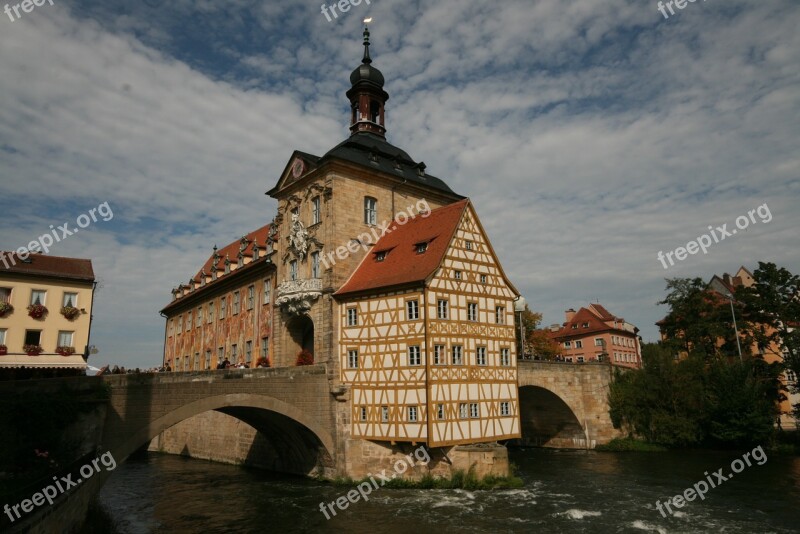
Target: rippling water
[563,492]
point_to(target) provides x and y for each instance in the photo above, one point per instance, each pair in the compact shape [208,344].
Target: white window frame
[480,355]
[505,409]
[267,291]
[440,412]
[505,357]
[474,410]
[352,316]
[251,296]
[457,350]
[463,411]
[352,359]
[315,264]
[236,303]
[414,356]
[40,292]
[69,334]
[316,211]
[472,311]
[500,314]
[68,294]
[442,309]
[384,414]
[412,414]
[439,355]
[412,310]
[370,211]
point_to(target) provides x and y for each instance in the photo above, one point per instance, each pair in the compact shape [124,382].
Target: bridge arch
[301,437]
[548,421]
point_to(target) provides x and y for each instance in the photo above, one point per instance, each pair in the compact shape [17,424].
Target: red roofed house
[45,315]
[594,334]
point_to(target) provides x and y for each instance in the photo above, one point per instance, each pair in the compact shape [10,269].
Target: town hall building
[382,272]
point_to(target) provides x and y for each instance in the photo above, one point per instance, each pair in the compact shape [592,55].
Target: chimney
[570,313]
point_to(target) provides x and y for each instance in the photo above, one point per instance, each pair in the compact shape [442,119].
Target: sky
[589,134]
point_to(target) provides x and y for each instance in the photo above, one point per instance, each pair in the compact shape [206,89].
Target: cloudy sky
[590,135]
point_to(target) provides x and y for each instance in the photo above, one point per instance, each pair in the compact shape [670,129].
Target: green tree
[772,310]
[699,321]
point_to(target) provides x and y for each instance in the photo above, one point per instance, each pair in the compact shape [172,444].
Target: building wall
[16,323]
[188,341]
[458,387]
[623,349]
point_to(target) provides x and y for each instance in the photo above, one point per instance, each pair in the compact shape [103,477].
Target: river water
[575,491]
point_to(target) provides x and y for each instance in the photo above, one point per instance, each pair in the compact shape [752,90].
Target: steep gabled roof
[231,251]
[402,264]
[597,318]
[44,265]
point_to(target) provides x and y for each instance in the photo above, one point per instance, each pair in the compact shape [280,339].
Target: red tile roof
[596,324]
[45,265]
[232,251]
[403,265]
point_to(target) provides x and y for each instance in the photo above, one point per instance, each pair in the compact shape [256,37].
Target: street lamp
[519,306]
[735,329]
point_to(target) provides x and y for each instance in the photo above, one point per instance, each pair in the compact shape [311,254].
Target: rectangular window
[504,409]
[267,291]
[579,344]
[171,326]
[462,410]
[248,352]
[199,318]
[568,344]
[315,265]
[265,347]
[472,311]
[598,342]
[188,321]
[33,337]
[412,307]
[234,353]
[65,338]
[293,270]
[352,317]
[580,359]
[414,355]
[457,275]
[5,294]
[468,245]
[480,356]
[440,412]
[352,359]
[441,309]
[39,296]
[2,336]
[438,355]
[362,413]
[180,324]
[222,306]
[473,410]
[208,360]
[458,355]
[251,297]
[316,214]
[412,414]
[196,361]
[505,357]
[70,299]
[500,314]
[370,211]
[210,313]
[221,354]
[483,279]
[384,414]
[236,303]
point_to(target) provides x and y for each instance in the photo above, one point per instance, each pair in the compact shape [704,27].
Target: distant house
[594,334]
[45,315]
[724,287]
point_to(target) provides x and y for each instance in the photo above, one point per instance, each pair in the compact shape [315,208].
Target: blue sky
[590,135]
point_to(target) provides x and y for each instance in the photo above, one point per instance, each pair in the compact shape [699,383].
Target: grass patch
[629,445]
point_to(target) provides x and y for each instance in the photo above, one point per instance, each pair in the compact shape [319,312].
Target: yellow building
[45,315]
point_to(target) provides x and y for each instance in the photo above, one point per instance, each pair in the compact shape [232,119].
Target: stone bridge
[565,405]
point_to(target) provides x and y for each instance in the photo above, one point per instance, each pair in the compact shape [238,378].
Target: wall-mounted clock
[298,168]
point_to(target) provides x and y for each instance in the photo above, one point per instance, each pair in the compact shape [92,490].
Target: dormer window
[421,247]
[380,256]
[585,325]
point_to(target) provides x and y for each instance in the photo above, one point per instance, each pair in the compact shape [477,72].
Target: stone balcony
[295,297]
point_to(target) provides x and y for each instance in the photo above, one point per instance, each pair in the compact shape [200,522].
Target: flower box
[70,312]
[304,357]
[33,350]
[5,309]
[65,351]
[262,362]
[37,311]
[3,350]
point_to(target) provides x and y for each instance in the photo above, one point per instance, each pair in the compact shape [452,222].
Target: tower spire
[367,97]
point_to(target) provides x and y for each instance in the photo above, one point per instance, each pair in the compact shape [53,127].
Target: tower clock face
[298,168]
